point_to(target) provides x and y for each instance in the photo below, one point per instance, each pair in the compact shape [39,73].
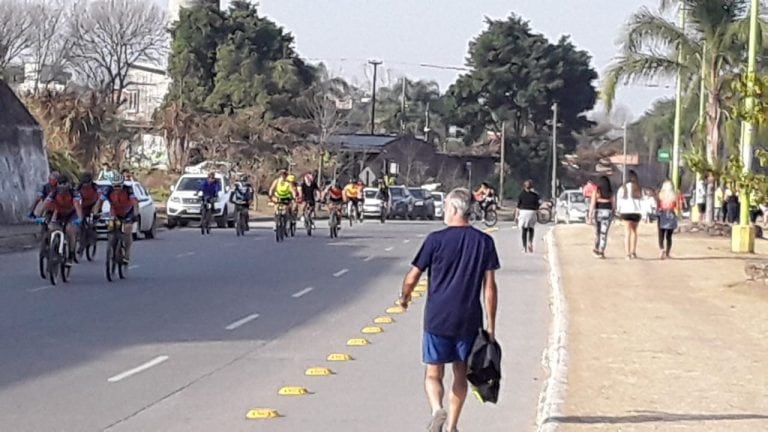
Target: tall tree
[16,20]
[50,45]
[110,36]
[652,45]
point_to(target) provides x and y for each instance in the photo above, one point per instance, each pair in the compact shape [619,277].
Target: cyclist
[66,212]
[242,197]
[309,192]
[124,206]
[42,194]
[281,190]
[209,189]
[383,193]
[89,196]
[352,193]
[296,192]
[334,196]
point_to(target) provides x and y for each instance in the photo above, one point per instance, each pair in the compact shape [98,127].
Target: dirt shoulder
[657,345]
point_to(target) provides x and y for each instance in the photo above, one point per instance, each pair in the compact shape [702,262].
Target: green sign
[664,155]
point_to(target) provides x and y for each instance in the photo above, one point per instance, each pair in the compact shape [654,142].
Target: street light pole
[678,109]
[624,165]
[554,150]
[749,126]
[501,162]
[375,64]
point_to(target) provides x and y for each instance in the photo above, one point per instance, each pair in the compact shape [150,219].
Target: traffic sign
[664,155]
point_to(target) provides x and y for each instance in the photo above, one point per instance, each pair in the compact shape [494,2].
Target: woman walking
[528,203]
[629,208]
[601,214]
[669,203]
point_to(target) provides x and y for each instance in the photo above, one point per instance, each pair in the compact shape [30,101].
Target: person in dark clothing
[601,207]
[528,203]
[732,209]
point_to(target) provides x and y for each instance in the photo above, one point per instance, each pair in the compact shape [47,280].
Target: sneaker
[530,248]
[596,253]
[438,421]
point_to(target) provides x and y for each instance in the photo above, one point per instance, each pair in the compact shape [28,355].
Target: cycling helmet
[86,178]
[63,180]
[117,180]
[308,177]
[291,178]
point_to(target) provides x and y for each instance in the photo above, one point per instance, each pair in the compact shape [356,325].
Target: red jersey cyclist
[123,206]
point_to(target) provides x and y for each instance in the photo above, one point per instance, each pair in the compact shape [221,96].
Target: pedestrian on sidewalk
[601,210]
[528,203]
[629,208]
[669,203]
[462,262]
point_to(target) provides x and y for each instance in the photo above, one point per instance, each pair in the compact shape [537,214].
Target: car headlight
[175,200]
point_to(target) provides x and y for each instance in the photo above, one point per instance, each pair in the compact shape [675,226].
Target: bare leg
[433,384]
[458,395]
[633,229]
[628,238]
[128,239]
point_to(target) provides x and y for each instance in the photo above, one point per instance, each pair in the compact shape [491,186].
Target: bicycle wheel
[109,262]
[490,218]
[292,227]
[333,223]
[54,259]
[90,249]
[65,269]
[203,216]
[308,223]
[42,262]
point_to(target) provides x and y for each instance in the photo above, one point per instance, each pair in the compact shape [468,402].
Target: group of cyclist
[63,205]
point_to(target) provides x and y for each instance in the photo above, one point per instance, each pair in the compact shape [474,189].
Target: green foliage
[63,162]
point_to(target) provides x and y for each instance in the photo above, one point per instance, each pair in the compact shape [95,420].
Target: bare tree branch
[111,36]
[15,24]
[49,43]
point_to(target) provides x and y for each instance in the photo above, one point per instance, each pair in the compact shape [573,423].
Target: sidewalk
[16,237]
[663,345]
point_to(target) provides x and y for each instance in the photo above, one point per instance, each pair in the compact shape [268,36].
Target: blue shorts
[445,349]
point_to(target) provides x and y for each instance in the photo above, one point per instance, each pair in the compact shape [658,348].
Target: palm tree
[654,47]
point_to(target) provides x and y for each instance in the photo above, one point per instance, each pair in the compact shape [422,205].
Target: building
[23,159]
[175,6]
[414,160]
[144,94]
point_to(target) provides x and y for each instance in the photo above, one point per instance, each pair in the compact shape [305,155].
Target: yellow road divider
[262,414]
[358,342]
[384,319]
[372,330]
[490,230]
[336,357]
[416,294]
[292,391]
[395,310]
[420,288]
[318,371]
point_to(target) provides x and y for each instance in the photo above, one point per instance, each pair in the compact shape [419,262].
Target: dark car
[401,202]
[423,203]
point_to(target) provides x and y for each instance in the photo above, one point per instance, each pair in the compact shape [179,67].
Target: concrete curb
[555,358]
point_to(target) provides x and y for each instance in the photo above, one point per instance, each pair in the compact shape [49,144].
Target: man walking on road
[461,261]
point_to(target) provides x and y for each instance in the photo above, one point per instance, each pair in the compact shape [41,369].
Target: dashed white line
[406,241]
[241,322]
[185,254]
[341,273]
[389,249]
[152,363]
[421,235]
[368,258]
[133,267]
[39,289]
[303,292]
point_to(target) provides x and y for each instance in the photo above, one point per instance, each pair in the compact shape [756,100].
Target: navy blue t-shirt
[457,259]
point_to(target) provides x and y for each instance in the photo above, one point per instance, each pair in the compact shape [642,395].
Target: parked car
[184,203]
[146,220]
[439,199]
[401,202]
[423,204]
[571,206]
[371,203]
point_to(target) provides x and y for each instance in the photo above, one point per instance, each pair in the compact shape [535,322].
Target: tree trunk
[713,143]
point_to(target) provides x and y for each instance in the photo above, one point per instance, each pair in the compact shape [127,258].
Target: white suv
[184,203]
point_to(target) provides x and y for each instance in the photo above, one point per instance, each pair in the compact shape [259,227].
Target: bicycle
[280,222]
[292,223]
[58,250]
[115,262]
[383,211]
[354,213]
[544,214]
[309,217]
[88,239]
[334,221]
[241,223]
[206,214]
[42,256]
[488,216]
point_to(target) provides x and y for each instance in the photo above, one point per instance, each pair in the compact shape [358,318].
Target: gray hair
[461,200]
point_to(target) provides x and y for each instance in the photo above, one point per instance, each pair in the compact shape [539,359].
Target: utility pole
[749,126]
[554,150]
[501,162]
[375,64]
[402,111]
[624,165]
[678,109]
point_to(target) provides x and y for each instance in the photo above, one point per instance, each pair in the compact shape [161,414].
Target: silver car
[571,206]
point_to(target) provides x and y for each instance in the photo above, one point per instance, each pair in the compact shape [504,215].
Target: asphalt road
[206,328]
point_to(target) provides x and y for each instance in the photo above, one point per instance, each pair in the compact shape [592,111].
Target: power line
[395,62]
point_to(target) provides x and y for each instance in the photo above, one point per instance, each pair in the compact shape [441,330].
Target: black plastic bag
[484,368]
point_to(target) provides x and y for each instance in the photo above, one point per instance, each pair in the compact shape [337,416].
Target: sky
[344,34]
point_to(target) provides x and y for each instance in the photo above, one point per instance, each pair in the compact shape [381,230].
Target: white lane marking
[152,363]
[305,291]
[185,254]
[43,288]
[341,273]
[133,267]
[389,249]
[406,241]
[368,258]
[241,322]
[421,235]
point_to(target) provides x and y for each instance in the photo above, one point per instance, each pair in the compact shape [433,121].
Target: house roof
[14,112]
[361,142]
